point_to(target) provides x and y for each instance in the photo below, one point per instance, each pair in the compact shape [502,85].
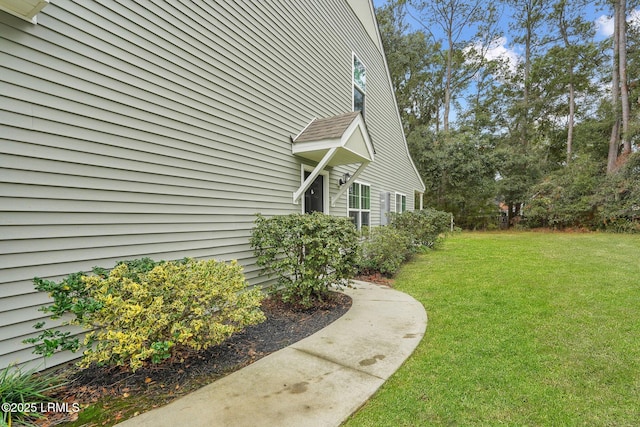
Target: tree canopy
[555,118]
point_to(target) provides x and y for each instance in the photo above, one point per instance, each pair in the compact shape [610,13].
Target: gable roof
[327,128]
[367,16]
[365,12]
[333,141]
[345,132]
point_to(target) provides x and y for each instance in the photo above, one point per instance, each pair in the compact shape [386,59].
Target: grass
[525,329]
[18,387]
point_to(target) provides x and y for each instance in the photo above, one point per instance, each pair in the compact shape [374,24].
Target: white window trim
[353,82]
[359,225]
[325,196]
[395,202]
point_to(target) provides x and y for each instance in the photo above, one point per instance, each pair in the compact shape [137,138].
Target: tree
[455,18]
[545,119]
[624,82]
[561,89]
[619,88]
[529,18]
[416,74]
[459,172]
[518,171]
[577,53]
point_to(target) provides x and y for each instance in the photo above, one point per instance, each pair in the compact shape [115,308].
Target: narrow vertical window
[359,85]
[365,205]
[401,202]
[360,205]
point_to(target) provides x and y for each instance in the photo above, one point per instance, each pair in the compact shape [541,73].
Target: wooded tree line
[551,137]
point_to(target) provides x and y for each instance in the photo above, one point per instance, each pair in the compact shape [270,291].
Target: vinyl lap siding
[131,129]
[393,170]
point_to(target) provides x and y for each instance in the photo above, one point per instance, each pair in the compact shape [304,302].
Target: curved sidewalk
[318,381]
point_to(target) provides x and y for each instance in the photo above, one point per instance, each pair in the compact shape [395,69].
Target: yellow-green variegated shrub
[194,304]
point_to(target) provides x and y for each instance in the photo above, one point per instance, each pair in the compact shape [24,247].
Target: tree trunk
[524,135]
[624,84]
[572,113]
[447,87]
[615,86]
[572,103]
[613,147]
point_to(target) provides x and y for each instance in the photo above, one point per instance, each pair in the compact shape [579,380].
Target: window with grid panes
[359,84]
[360,204]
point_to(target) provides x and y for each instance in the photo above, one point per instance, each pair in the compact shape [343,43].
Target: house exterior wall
[131,129]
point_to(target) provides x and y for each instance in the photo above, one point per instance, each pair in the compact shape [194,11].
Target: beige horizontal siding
[24,328]
[15,344]
[161,128]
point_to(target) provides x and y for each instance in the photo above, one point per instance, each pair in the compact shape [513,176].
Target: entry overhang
[333,141]
[25,9]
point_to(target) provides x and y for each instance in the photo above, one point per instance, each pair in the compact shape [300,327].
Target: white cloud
[634,18]
[604,26]
[604,23]
[497,50]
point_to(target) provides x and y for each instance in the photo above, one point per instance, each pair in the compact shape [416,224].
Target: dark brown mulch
[187,371]
[376,278]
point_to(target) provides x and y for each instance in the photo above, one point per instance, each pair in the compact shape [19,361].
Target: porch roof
[333,141]
[345,132]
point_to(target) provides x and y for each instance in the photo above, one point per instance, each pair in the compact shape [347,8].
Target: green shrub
[618,198]
[424,226]
[307,253]
[143,315]
[21,394]
[583,195]
[143,309]
[565,197]
[385,250]
[72,296]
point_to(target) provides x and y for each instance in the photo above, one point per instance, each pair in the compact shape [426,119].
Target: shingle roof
[327,128]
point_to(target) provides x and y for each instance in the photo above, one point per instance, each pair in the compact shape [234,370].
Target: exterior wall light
[342,181]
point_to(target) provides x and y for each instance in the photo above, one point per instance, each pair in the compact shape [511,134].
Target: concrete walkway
[318,381]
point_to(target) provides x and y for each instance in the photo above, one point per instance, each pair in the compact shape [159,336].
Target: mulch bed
[190,370]
[376,278]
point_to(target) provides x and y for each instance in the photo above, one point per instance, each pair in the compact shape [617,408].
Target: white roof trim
[313,175]
[348,152]
[338,140]
[24,9]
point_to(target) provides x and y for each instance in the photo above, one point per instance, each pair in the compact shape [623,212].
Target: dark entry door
[314,196]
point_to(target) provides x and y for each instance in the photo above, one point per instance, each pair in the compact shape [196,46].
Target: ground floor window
[360,204]
[401,202]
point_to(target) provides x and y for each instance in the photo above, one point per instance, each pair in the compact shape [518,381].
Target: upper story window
[359,84]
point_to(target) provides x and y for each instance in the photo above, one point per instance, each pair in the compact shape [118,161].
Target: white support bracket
[314,174]
[346,186]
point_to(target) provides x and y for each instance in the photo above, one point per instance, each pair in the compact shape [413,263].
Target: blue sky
[504,46]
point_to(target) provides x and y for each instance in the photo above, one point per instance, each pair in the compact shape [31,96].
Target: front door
[314,196]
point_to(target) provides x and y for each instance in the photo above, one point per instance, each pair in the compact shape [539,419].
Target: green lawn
[537,329]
